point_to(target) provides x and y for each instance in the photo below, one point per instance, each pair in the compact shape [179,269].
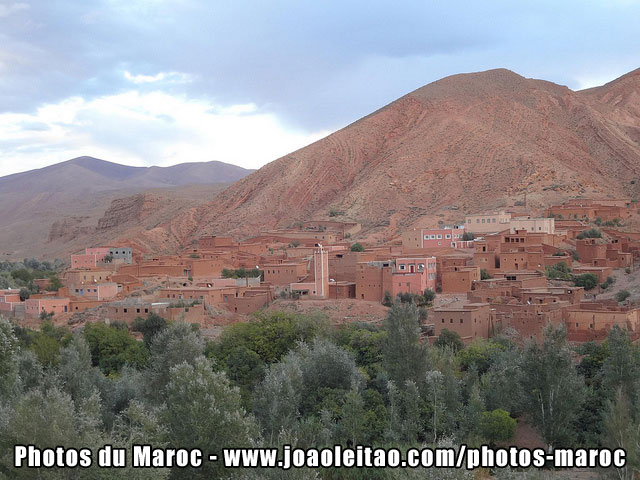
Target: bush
[25,293]
[592,233]
[387,300]
[357,247]
[334,213]
[559,271]
[627,270]
[466,236]
[586,280]
[484,274]
[429,295]
[497,426]
[622,295]
[449,339]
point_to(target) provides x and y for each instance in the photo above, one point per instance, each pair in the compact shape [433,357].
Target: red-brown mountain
[465,143]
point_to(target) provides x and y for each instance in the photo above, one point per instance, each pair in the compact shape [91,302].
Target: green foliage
[586,280]
[497,426]
[553,391]
[111,348]
[387,300]
[622,295]
[607,283]
[429,295]
[484,274]
[558,271]
[467,236]
[241,273]
[45,343]
[194,255]
[203,411]
[357,247]
[335,213]
[25,293]
[149,327]
[591,233]
[404,357]
[449,339]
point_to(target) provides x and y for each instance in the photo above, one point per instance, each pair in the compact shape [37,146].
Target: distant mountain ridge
[93,173]
[53,210]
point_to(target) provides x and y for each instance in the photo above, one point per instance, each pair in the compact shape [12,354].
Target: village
[492,272]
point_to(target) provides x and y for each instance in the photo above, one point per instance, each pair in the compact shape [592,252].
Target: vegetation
[335,213]
[592,233]
[357,247]
[622,295]
[559,271]
[586,280]
[292,379]
[607,283]
[241,273]
[484,274]
[466,236]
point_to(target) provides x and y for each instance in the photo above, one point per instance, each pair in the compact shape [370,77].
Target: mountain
[54,210]
[466,143]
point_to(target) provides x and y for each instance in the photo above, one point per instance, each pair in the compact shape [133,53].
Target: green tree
[204,411]
[484,274]
[553,391]
[112,347]
[404,357]
[149,327]
[586,280]
[25,293]
[622,295]
[497,426]
[357,247]
[450,339]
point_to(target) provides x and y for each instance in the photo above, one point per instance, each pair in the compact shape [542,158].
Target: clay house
[94,291]
[470,321]
[84,261]
[590,209]
[35,306]
[420,238]
[73,276]
[343,264]
[402,275]
[459,279]
[532,225]
[593,320]
[487,222]
[285,273]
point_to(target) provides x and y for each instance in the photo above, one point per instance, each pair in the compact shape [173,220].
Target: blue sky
[159,82]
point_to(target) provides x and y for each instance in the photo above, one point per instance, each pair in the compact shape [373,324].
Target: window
[483,220]
[493,220]
[439,236]
[402,266]
[426,237]
[447,236]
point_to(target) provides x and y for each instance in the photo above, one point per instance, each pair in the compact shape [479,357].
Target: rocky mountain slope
[58,209]
[465,143]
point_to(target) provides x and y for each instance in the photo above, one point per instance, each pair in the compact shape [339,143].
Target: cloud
[170,77]
[306,66]
[152,128]
[11,8]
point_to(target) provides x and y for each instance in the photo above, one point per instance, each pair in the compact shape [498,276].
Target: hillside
[465,143]
[58,209]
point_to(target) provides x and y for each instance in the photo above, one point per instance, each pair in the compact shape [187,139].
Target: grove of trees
[293,379]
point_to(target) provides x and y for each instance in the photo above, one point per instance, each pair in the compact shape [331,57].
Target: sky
[161,82]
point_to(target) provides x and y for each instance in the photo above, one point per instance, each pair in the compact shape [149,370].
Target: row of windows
[484,220]
[438,236]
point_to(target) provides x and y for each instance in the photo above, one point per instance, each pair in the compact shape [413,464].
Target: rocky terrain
[465,143]
[56,210]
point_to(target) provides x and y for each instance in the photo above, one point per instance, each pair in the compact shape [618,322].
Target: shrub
[497,426]
[466,236]
[559,271]
[627,270]
[592,233]
[429,295]
[449,339]
[622,295]
[484,274]
[586,280]
[357,247]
